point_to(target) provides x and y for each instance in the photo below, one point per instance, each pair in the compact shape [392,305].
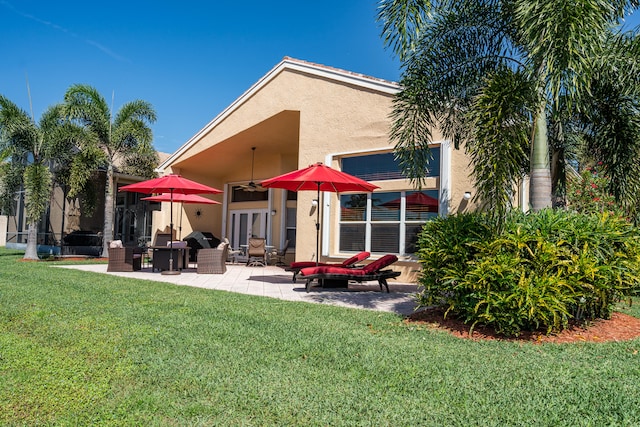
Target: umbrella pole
[180,224]
[318,228]
[170,271]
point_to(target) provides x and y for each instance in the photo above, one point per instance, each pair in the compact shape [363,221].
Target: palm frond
[402,22]
[501,117]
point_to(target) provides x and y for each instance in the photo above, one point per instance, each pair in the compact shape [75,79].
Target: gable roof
[288,63]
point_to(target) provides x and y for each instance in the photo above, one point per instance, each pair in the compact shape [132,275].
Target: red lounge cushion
[361,256]
[379,264]
[304,264]
[368,269]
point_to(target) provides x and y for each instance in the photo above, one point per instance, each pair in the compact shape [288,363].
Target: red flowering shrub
[587,193]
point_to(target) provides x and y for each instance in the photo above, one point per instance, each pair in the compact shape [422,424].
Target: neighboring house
[69,229]
[298,114]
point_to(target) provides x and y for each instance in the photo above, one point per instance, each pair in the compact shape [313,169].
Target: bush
[587,193]
[541,271]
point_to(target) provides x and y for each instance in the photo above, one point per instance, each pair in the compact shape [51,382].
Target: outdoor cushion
[177,244]
[295,267]
[371,271]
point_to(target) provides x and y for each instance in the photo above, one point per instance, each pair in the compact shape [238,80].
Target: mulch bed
[621,327]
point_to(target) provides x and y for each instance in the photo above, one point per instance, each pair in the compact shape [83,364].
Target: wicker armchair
[125,259]
[212,261]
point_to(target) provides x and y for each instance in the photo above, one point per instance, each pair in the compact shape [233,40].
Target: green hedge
[539,272]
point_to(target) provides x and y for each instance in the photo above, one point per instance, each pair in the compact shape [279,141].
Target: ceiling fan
[252,186]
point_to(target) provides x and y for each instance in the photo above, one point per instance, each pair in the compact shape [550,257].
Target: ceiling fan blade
[252,186]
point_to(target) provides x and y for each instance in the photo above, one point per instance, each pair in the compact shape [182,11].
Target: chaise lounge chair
[372,271]
[295,267]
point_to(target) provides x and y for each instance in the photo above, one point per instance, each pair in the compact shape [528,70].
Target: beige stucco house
[298,114]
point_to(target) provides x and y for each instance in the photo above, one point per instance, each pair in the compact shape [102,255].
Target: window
[385,222]
[382,167]
[292,195]
[290,226]
[239,194]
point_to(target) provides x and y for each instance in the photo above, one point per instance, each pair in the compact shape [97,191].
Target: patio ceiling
[278,134]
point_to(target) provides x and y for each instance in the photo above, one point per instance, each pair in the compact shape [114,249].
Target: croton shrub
[537,271]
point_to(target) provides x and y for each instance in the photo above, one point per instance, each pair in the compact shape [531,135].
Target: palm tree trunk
[32,242]
[540,186]
[107,235]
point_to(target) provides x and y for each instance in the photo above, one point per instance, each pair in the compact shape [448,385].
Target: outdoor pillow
[177,244]
[379,264]
[361,256]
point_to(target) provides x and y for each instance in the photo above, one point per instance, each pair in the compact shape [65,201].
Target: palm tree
[30,148]
[119,136]
[491,75]
[610,130]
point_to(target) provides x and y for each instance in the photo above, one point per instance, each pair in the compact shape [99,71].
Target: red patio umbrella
[417,202]
[182,198]
[319,177]
[171,184]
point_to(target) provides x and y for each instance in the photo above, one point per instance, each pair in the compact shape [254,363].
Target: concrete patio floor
[274,282]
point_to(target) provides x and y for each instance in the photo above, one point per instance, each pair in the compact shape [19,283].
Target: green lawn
[78,348]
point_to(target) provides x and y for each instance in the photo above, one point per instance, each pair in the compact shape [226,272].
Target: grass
[79,348]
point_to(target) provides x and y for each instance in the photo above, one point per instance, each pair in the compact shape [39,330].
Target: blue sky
[189,59]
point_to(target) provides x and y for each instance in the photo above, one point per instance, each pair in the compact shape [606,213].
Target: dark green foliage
[542,271]
[447,245]
[500,127]
[10,179]
[518,83]
[141,161]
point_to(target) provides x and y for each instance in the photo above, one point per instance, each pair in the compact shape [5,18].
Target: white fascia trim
[225,206]
[290,64]
[331,156]
[524,194]
[445,177]
[326,210]
[343,76]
